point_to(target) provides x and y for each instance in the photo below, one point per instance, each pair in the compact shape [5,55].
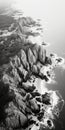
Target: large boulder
[34,106]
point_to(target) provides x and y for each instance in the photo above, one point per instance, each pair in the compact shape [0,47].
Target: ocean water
[57,46]
[54,35]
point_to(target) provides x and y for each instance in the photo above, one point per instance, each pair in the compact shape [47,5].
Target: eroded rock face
[28,61]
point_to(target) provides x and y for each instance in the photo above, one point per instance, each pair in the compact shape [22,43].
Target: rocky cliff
[22,105]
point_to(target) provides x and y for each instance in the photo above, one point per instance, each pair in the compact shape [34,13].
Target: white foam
[7,34]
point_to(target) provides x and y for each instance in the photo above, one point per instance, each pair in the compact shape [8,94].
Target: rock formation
[22,106]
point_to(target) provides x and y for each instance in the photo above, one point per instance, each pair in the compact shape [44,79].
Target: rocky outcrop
[23,98]
[22,106]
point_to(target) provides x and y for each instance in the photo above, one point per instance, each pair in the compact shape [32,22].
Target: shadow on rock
[5,97]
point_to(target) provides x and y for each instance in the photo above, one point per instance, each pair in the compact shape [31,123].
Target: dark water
[57,46]
[55,35]
[60,86]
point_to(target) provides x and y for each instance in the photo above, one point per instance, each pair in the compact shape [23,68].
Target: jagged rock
[35,50]
[15,118]
[38,68]
[22,72]
[12,119]
[42,54]
[7,79]
[46,99]
[39,99]
[28,110]
[23,120]
[34,94]
[40,115]
[34,106]
[26,21]
[31,57]
[28,88]
[39,65]
[12,27]
[23,62]
[24,30]
[16,61]
[48,60]
[41,72]
[24,59]
[16,76]
[22,91]
[35,69]
[49,122]
[20,102]
[28,97]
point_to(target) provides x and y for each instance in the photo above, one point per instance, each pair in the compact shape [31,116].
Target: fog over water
[51,13]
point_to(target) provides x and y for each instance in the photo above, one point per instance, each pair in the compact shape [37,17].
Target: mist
[51,12]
